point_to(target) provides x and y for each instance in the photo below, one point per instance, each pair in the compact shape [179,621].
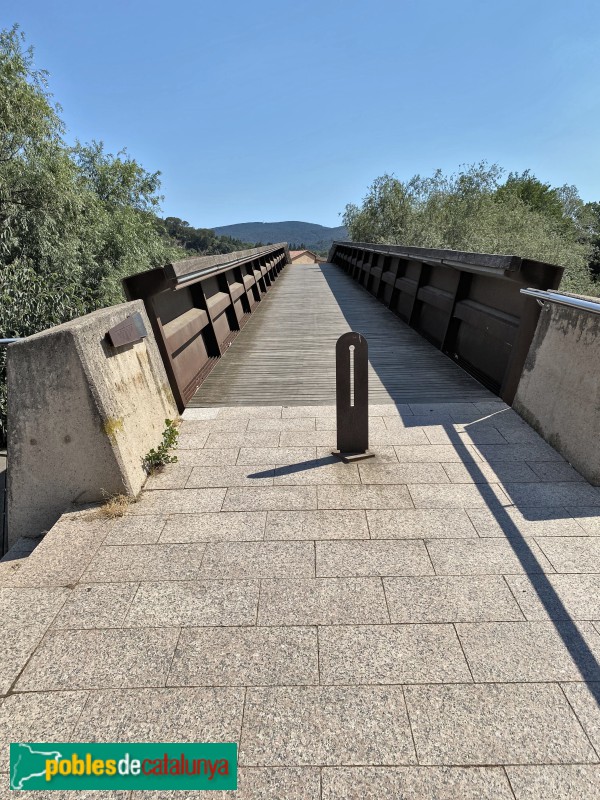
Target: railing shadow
[479,428]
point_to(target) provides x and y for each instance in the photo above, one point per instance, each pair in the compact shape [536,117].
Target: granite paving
[422,625]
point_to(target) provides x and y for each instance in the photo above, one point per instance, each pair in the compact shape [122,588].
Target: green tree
[475,210]
[73,221]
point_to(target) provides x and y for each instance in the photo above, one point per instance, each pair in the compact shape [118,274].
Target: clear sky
[267,110]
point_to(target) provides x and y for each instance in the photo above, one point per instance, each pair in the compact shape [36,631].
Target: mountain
[311,236]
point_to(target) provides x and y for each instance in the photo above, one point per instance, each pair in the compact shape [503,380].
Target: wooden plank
[286,352]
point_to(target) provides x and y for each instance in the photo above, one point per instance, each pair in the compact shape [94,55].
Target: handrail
[562,300]
[208,271]
[10,341]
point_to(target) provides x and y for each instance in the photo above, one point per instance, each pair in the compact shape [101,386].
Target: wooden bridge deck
[286,353]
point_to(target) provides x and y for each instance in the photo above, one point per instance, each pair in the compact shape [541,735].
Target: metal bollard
[352,397]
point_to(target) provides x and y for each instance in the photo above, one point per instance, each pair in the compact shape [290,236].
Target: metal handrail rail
[9,341]
[563,300]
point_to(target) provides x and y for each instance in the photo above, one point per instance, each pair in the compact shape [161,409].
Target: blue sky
[268,110]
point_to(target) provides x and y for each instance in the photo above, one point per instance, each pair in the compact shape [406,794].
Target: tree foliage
[475,210]
[73,220]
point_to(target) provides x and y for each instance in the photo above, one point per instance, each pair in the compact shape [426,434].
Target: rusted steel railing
[198,306]
[468,305]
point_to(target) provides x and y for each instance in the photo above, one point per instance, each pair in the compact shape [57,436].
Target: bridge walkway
[425,624]
[286,353]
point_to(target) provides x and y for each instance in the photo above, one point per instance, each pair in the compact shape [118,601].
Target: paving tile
[257,783]
[420,523]
[231,476]
[47,565]
[139,562]
[327,470]
[462,435]
[518,452]
[308,439]
[199,414]
[250,456]
[215,527]
[326,725]
[7,794]
[16,646]
[355,558]
[162,715]
[553,494]
[245,657]
[585,702]
[38,717]
[164,603]
[228,425]
[191,426]
[572,554]
[329,423]
[446,408]
[450,599]
[287,424]
[143,529]
[178,501]
[435,453]
[555,471]
[415,783]
[519,433]
[559,597]
[495,724]
[22,608]
[486,557]
[498,472]
[458,495]
[227,439]
[193,441]
[270,498]
[530,651]
[258,560]
[211,457]
[390,409]
[402,473]
[322,601]
[493,406]
[400,436]
[529,521]
[86,659]
[418,421]
[357,497]
[171,476]
[564,782]
[374,654]
[252,412]
[96,605]
[587,518]
[308,411]
[316,525]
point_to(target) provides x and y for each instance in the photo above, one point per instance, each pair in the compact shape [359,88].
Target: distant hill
[307,234]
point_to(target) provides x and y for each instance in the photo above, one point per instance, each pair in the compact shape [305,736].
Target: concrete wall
[559,390]
[81,417]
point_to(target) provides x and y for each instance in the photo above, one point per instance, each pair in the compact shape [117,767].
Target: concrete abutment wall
[82,414]
[559,390]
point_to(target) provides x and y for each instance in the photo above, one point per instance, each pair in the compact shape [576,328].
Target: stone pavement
[422,625]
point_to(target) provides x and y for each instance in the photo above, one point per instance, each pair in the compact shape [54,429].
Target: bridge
[423,624]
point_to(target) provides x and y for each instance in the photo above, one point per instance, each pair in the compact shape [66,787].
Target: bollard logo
[155,766]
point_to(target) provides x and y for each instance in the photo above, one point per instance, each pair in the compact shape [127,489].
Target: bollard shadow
[484,451]
[291,469]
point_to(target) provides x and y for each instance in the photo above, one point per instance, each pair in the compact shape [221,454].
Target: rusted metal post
[352,397]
